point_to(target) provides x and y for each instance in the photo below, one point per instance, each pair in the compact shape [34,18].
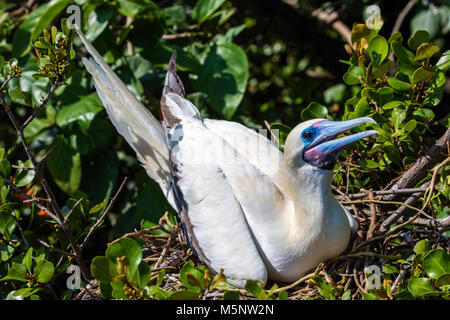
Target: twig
[397,281]
[373,217]
[36,199]
[402,15]
[57,216]
[272,135]
[23,194]
[363,254]
[172,236]
[99,221]
[72,210]
[20,230]
[444,222]
[45,244]
[362,195]
[332,19]
[421,167]
[54,86]
[402,210]
[301,280]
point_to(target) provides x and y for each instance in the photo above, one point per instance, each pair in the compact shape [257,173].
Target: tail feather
[172,82]
[132,120]
[174,106]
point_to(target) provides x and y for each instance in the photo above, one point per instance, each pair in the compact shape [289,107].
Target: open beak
[323,151]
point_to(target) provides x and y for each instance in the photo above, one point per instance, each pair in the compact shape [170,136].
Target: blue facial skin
[308,136]
[321,146]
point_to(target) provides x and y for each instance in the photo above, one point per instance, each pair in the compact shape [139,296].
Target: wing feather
[132,120]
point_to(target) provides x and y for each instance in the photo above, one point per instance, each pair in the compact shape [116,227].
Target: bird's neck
[311,195]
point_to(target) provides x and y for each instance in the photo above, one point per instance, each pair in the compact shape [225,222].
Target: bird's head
[314,142]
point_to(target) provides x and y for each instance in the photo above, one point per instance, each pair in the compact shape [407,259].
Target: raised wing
[132,120]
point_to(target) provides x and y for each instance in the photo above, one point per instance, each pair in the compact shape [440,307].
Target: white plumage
[247,208]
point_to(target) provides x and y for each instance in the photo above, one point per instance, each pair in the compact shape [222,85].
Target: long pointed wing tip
[173,62]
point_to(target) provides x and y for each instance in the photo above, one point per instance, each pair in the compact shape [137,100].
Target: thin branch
[45,244]
[402,15]
[402,210]
[333,20]
[421,167]
[301,280]
[54,86]
[72,210]
[40,177]
[100,220]
[362,195]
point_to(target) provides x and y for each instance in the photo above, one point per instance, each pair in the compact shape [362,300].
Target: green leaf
[406,58]
[224,78]
[426,19]
[161,275]
[419,37]
[6,252]
[24,177]
[103,269]
[256,288]
[425,113]
[28,260]
[421,247]
[184,295]
[398,116]
[362,108]
[44,271]
[324,289]
[378,50]
[144,274]
[399,85]
[188,274]
[64,165]
[394,104]
[395,37]
[421,287]
[443,280]
[7,221]
[231,295]
[410,126]
[346,295]
[174,14]
[5,167]
[444,61]
[17,272]
[368,296]
[19,96]
[353,75]
[21,39]
[205,8]
[105,289]
[84,111]
[360,31]
[95,209]
[422,74]
[98,21]
[131,8]
[389,269]
[45,19]
[129,248]
[436,263]
[314,110]
[426,51]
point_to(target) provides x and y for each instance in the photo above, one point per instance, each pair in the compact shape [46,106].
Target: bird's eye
[307,135]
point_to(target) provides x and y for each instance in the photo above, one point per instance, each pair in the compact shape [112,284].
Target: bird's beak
[323,151]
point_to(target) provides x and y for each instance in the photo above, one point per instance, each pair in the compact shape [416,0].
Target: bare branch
[99,221]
